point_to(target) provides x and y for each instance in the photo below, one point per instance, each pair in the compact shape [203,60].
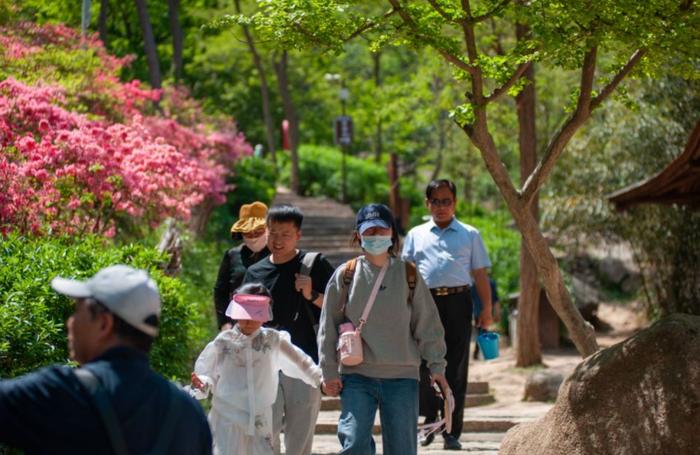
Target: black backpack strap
[101,401]
[307,263]
[167,431]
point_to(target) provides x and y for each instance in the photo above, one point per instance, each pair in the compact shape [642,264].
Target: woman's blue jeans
[397,400]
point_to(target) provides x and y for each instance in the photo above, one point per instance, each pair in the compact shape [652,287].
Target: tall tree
[528,351]
[281,64]
[176,32]
[102,21]
[264,87]
[572,38]
[149,44]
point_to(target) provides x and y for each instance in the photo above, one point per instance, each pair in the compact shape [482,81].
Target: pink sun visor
[249,307]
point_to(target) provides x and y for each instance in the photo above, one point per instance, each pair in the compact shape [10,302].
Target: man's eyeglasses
[447,202]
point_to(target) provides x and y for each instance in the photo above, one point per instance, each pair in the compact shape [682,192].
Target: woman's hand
[332,387]
[196,382]
[442,382]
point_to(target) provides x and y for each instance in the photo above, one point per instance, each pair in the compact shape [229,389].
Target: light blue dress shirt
[445,257]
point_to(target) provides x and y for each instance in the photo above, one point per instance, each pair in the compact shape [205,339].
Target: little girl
[240,369]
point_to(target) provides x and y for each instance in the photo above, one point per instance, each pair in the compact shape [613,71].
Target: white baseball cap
[127,292]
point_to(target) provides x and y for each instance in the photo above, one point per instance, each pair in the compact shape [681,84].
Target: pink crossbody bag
[350,339]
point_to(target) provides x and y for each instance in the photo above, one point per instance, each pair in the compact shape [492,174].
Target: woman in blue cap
[401,328]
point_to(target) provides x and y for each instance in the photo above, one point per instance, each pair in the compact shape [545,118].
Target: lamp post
[342,130]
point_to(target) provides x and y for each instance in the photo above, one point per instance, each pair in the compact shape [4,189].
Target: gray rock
[612,270]
[631,284]
[586,297]
[638,397]
[584,293]
[542,386]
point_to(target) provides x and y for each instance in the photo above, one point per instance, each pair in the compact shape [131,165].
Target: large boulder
[639,397]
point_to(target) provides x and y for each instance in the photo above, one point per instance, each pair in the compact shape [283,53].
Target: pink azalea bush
[88,153]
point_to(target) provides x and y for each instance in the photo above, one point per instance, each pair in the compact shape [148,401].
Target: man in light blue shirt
[451,258]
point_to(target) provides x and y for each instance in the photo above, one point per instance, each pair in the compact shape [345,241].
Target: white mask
[257,244]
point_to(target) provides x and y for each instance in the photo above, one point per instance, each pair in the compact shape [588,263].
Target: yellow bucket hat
[250,217]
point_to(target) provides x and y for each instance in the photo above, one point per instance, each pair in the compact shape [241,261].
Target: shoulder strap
[167,431]
[411,279]
[307,262]
[101,401]
[348,275]
[372,296]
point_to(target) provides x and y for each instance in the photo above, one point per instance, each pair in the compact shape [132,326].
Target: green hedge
[32,315]
[320,175]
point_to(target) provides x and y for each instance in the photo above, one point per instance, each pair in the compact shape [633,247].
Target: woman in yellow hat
[251,228]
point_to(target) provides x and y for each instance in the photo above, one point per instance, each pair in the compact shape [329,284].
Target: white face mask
[257,244]
[376,244]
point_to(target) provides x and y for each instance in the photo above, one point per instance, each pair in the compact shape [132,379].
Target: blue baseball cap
[374,215]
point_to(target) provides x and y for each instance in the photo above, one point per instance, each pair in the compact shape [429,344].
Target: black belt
[449,291]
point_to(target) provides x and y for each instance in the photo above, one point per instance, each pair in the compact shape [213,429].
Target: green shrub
[254,179]
[320,175]
[32,315]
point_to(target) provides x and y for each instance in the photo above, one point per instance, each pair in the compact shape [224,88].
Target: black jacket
[231,272]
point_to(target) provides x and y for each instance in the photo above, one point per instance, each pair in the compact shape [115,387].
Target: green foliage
[320,175]
[254,179]
[32,315]
[624,148]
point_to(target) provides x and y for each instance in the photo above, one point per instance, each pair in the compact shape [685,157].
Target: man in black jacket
[252,229]
[114,403]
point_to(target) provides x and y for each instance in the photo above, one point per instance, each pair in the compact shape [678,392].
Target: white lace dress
[241,373]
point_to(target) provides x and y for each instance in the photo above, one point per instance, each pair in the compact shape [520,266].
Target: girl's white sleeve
[296,363]
[207,368]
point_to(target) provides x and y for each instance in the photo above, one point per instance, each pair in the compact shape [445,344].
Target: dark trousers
[456,316]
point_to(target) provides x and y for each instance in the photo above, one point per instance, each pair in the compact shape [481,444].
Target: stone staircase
[327,227]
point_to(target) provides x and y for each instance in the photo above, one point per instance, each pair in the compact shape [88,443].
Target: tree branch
[497,9]
[369,25]
[443,13]
[472,53]
[500,91]
[623,73]
[556,146]
[408,20]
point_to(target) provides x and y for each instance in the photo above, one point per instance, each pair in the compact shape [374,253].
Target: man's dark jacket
[50,412]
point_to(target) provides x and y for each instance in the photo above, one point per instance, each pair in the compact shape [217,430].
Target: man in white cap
[114,403]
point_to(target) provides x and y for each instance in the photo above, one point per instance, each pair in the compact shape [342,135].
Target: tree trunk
[281,66]
[547,267]
[149,44]
[176,31]
[102,21]
[264,89]
[528,352]
[376,58]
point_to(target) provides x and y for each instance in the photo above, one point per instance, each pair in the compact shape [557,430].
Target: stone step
[477,387]
[327,423]
[334,240]
[333,403]
[473,443]
[490,419]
